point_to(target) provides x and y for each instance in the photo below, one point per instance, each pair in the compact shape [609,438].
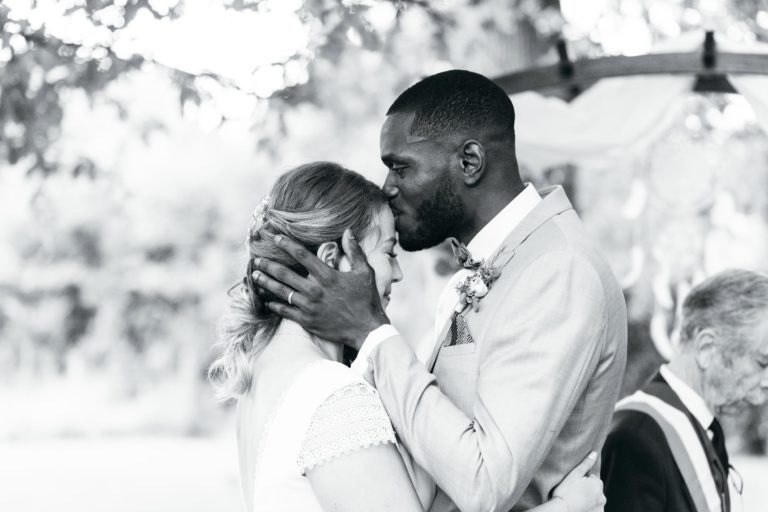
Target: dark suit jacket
[638,471]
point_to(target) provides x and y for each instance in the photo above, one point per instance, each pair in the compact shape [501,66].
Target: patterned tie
[462,255]
[718,441]
[458,333]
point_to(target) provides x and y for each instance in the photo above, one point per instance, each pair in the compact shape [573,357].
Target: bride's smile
[378,244]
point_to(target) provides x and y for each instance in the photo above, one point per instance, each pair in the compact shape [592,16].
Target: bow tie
[463,256]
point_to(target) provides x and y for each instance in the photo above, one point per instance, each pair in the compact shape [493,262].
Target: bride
[312,434]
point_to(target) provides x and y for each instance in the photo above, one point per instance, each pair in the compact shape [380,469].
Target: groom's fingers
[285,311]
[279,290]
[353,251]
[312,263]
[281,274]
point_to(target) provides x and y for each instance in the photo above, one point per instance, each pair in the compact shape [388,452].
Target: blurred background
[137,136]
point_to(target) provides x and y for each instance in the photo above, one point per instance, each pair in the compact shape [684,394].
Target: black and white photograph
[384,255]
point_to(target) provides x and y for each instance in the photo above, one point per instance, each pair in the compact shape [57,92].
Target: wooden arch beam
[709,67]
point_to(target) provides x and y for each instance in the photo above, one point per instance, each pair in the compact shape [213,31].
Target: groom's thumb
[352,250]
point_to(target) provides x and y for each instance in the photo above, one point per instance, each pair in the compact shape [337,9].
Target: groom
[521,383]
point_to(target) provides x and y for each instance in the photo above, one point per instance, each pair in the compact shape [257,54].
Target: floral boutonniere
[478,283]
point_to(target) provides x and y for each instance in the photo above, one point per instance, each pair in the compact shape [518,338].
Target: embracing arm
[534,366]
[350,457]
[579,491]
[372,479]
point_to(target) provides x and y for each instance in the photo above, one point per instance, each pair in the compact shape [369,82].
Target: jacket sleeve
[543,345]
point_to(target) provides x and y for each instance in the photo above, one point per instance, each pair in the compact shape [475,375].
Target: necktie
[457,334]
[721,476]
[463,256]
[718,441]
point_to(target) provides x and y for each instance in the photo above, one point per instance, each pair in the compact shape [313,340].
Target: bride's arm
[578,492]
[351,460]
[372,479]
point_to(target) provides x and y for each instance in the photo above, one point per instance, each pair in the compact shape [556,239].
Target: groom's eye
[398,169]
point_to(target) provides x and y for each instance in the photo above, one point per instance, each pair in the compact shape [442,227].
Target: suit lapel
[553,202]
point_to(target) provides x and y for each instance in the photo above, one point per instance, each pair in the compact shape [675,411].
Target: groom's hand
[343,307]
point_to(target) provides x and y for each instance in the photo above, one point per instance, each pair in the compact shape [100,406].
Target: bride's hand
[580,491]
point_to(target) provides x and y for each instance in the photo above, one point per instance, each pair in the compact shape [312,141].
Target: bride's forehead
[382,227]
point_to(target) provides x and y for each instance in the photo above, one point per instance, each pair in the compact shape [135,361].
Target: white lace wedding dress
[325,411]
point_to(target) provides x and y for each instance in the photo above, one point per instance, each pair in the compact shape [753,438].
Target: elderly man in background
[666,450]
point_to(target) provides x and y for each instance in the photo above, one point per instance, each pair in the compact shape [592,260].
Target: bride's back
[276,371]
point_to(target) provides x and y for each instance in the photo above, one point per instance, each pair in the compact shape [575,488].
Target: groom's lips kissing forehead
[395,210]
[400,215]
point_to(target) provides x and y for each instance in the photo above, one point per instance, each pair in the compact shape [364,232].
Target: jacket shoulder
[639,431]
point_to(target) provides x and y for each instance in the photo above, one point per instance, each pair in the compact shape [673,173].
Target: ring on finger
[290,296]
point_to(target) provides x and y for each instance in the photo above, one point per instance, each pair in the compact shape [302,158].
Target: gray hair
[730,303]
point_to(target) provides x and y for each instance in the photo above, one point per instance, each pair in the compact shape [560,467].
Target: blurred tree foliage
[116,267]
[37,67]
[112,268]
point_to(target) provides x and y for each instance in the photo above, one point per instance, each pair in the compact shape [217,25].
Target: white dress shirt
[690,398]
[483,245]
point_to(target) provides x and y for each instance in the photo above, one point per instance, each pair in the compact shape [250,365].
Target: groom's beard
[435,219]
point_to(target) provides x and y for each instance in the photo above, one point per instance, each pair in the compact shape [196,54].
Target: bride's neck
[329,350]
[334,351]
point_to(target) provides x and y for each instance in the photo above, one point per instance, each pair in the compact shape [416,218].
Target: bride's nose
[397,273]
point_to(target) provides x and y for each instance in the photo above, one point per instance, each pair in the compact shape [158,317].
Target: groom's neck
[483,205]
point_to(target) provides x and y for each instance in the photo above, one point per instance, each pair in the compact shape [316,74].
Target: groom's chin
[412,242]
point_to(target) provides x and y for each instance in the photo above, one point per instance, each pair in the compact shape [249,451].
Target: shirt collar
[493,234]
[691,399]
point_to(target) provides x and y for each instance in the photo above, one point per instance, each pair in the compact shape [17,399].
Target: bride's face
[379,247]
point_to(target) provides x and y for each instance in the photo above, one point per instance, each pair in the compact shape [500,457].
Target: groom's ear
[329,253]
[472,157]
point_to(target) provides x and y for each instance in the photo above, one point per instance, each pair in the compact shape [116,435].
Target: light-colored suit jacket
[499,422]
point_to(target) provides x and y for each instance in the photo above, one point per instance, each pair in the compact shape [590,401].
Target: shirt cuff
[373,340]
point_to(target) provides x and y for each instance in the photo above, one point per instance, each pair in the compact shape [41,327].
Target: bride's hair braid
[311,204]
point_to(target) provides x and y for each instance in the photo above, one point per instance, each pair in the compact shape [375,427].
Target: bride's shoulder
[349,417]
[332,376]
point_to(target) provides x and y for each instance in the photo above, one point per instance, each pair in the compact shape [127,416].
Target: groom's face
[421,184]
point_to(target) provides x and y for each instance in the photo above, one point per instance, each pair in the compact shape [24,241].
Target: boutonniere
[478,282]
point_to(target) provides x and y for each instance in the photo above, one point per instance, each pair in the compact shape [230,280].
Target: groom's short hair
[454,101]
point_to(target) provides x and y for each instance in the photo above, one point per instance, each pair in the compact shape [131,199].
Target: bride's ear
[329,253]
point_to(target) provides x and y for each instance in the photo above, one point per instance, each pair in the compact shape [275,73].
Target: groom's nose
[389,188]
